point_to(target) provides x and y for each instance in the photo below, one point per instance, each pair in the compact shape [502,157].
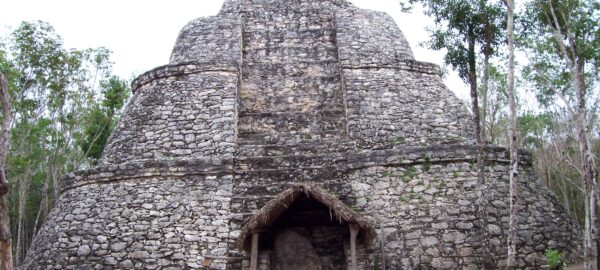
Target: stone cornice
[181,69]
[337,161]
[408,65]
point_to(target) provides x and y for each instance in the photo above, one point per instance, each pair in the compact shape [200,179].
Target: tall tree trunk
[487,52]
[24,186]
[43,210]
[513,212]
[576,66]
[486,262]
[6,260]
[54,174]
[587,164]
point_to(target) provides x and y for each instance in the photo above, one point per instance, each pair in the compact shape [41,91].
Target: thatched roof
[273,209]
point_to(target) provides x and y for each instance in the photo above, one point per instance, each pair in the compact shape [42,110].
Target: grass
[400,140]
[411,172]
[427,164]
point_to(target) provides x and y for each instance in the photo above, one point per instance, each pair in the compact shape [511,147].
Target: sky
[141,33]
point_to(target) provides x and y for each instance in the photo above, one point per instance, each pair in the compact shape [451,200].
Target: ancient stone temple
[294,134]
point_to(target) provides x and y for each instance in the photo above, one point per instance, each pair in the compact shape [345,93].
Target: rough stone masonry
[269,93]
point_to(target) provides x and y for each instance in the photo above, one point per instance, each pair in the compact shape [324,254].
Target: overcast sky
[141,33]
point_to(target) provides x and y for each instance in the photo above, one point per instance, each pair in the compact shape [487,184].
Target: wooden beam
[354,229]
[254,252]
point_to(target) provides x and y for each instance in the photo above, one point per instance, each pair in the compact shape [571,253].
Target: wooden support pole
[254,252]
[353,233]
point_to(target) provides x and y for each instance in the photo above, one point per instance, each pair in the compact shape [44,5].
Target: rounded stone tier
[186,213]
[185,111]
[270,76]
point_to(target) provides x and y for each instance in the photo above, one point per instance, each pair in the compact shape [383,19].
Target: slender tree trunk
[565,193]
[587,164]
[6,260]
[54,173]
[20,210]
[546,167]
[513,212]
[486,258]
[43,210]
[24,186]
[485,84]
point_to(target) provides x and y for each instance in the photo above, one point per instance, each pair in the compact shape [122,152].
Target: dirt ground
[579,266]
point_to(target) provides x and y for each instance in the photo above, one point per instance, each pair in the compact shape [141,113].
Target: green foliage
[376,264]
[427,164]
[47,68]
[101,119]
[98,126]
[544,28]
[65,103]
[533,128]
[410,173]
[555,259]
[400,140]
[554,154]
[457,22]
[495,124]
[579,20]
[116,92]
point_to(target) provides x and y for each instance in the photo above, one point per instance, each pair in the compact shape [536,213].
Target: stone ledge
[181,69]
[330,162]
[408,65]
[139,170]
[369,158]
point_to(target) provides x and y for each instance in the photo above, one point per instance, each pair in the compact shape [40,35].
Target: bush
[555,259]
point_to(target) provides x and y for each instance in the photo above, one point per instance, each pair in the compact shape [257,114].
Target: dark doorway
[311,227]
[327,228]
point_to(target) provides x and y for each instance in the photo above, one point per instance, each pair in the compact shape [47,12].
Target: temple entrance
[305,228]
[306,235]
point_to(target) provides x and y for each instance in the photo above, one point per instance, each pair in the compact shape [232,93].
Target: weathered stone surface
[269,93]
[294,251]
[84,250]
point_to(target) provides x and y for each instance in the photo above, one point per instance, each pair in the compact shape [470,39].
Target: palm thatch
[269,213]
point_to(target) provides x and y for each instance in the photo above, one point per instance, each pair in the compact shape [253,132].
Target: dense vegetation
[64,103]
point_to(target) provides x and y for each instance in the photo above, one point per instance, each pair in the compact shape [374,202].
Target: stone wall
[209,40]
[370,38]
[428,215]
[186,111]
[291,89]
[178,213]
[406,105]
[422,200]
[138,216]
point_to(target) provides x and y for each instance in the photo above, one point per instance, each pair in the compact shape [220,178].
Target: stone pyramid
[272,94]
